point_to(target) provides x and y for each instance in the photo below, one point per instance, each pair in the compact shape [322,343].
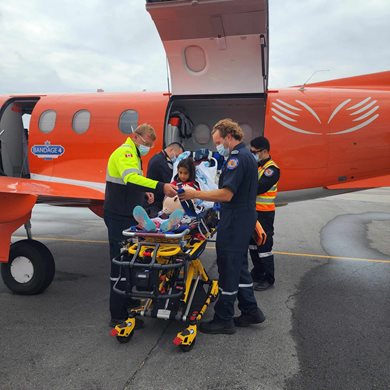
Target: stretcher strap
[188,206]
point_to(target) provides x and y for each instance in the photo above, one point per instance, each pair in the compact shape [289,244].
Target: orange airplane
[327,137]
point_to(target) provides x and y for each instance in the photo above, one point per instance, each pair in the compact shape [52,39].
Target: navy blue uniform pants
[234,231]
[262,256]
[115,225]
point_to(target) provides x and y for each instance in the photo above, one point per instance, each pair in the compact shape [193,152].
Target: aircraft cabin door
[217,52]
[214,46]
[14,136]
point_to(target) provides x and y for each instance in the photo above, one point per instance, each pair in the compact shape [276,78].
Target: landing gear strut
[30,268]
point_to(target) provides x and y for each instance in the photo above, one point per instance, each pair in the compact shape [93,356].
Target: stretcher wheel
[124,339]
[187,348]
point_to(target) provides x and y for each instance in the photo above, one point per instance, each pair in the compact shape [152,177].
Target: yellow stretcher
[164,270]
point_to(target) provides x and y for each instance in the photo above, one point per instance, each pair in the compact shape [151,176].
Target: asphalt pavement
[327,326]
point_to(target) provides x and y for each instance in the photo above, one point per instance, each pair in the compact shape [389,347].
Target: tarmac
[328,315]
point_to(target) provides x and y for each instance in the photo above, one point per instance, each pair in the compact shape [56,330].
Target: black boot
[217,326]
[246,319]
[261,286]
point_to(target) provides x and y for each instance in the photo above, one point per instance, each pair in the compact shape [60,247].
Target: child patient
[186,174]
[172,213]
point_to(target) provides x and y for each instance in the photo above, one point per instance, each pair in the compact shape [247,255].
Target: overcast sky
[79,46]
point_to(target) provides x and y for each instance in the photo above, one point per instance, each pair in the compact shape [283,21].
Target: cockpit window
[128,121]
[47,121]
[81,121]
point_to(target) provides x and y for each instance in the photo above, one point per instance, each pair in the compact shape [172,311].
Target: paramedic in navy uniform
[237,194]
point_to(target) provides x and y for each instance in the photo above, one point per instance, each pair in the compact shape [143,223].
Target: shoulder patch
[269,172]
[232,163]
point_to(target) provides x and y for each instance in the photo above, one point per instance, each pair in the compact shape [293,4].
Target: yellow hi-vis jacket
[125,183]
[266,201]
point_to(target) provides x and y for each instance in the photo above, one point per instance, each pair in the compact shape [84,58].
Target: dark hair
[188,164]
[260,143]
[177,144]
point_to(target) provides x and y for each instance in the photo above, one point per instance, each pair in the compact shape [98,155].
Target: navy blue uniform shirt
[239,174]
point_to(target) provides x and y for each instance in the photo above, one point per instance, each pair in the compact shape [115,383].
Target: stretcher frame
[174,255]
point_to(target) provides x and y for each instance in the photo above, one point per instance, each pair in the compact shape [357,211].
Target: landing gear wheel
[125,339]
[187,348]
[30,268]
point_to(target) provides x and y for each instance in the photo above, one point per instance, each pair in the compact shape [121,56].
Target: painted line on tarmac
[325,256]
[65,240]
[333,257]
[213,247]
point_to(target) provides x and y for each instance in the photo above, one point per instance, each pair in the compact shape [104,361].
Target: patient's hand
[188,194]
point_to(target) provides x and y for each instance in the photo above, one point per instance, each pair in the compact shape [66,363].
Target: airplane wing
[51,192]
[380,181]
[19,195]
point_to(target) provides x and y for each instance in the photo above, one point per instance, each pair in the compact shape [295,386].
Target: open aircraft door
[217,52]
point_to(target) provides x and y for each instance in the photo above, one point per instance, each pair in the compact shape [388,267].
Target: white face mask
[222,150]
[143,150]
[257,158]
[173,159]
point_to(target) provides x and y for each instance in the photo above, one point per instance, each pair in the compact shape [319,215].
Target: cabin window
[47,121]
[202,134]
[81,121]
[128,121]
[195,58]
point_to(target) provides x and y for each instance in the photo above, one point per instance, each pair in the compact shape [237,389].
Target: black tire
[187,348]
[50,264]
[125,339]
[40,263]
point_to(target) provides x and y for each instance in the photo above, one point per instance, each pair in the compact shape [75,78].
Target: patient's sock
[173,221]
[142,217]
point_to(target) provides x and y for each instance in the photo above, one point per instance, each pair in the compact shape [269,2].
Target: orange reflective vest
[266,201]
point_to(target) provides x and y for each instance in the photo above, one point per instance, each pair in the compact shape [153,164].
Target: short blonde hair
[146,130]
[228,126]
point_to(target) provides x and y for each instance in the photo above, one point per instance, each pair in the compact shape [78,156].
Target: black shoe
[139,324]
[217,326]
[244,320]
[263,285]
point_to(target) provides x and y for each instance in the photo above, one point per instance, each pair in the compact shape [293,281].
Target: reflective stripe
[252,246]
[131,170]
[271,192]
[112,179]
[269,163]
[245,285]
[265,202]
[265,254]
[115,279]
[227,292]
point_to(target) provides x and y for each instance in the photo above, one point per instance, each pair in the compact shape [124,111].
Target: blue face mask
[173,159]
[257,158]
[143,150]
[222,150]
